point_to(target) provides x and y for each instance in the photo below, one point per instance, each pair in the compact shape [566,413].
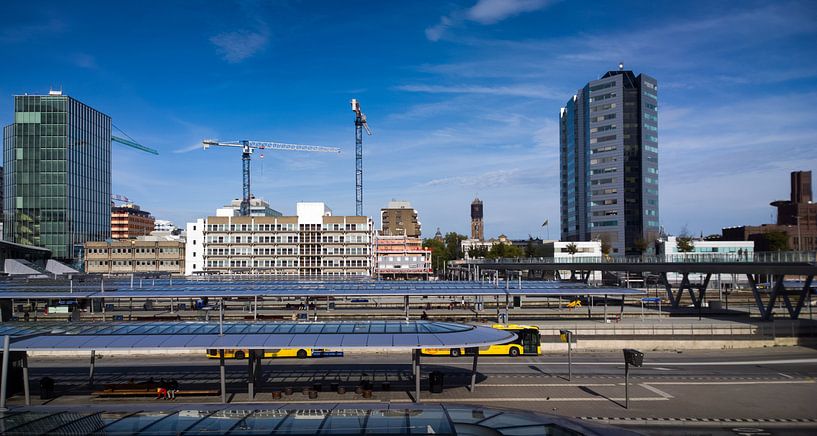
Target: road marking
[537,399]
[656,390]
[542,385]
[661,364]
[766,382]
[786,375]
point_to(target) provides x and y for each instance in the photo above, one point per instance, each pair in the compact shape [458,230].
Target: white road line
[757,382]
[656,390]
[542,385]
[537,399]
[786,375]
[661,364]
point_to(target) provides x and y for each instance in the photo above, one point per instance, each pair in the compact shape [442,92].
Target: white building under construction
[313,243]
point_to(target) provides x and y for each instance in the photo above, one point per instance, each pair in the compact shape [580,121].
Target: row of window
[602,107]
[603,171]
[603,118]
[603,86]
[106,263]
[286,227]
[603,160]
[283,263]
[139,250]
[607,191]
[603,139]
[603,149]
[607,96]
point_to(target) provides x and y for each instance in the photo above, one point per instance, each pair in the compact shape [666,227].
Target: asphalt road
[765,391]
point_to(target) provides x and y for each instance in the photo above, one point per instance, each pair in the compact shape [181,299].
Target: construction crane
[131,143]
[360,124]
[247,148]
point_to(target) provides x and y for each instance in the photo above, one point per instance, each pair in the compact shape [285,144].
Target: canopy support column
[222,376]
[251,375]
[417,372]
[474,370]
[406,306]
[93,366]
[26,388]
[5,373]
[255,308]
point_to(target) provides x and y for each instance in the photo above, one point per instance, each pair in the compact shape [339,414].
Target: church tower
[477,230]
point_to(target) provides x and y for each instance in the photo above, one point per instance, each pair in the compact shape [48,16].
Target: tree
[684,244]
[776,241]
[477,252]
[499,251]
[606,246]
[453,245]
[438,253]
[641,245]
[572,248]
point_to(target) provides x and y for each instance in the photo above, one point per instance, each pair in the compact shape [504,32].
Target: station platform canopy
[394,335]
[264,288]
[278,419]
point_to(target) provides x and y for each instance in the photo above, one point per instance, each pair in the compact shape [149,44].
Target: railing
[759,257]
[670,330]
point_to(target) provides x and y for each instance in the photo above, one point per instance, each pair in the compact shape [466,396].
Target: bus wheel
[301,354]
[455,352]
[514,352]
[239,354]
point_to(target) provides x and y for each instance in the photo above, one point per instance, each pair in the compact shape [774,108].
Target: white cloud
[236,46]
[492,11]
[484,12]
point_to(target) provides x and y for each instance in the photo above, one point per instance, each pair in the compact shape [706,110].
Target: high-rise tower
[477,229]
[57,159]
[608,156]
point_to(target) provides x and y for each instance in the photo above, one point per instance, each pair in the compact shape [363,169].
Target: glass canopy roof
[325,419]
[248,335]
[165,288]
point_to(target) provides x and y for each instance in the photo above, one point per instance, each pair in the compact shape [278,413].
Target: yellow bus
[301,353]
[527,343]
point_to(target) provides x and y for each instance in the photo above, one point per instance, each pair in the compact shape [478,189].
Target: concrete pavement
[772,389]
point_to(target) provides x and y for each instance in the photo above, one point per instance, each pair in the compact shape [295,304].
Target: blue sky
[463,98]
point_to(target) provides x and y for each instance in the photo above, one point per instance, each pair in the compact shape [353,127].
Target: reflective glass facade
[57,179]
[609,163]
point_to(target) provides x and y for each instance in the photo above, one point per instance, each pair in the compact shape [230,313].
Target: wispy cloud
[523,90]
[484,12]
[236,46]
[25,32]
[189,148]
[490,179]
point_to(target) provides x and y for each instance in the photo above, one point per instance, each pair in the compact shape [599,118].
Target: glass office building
[57,179]
[609,163]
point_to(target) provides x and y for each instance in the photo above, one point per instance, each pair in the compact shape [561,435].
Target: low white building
[702,248]
[401,258]
[562,249]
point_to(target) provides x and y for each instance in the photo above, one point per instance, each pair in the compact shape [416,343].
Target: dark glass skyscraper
[608,156]
[57,180]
